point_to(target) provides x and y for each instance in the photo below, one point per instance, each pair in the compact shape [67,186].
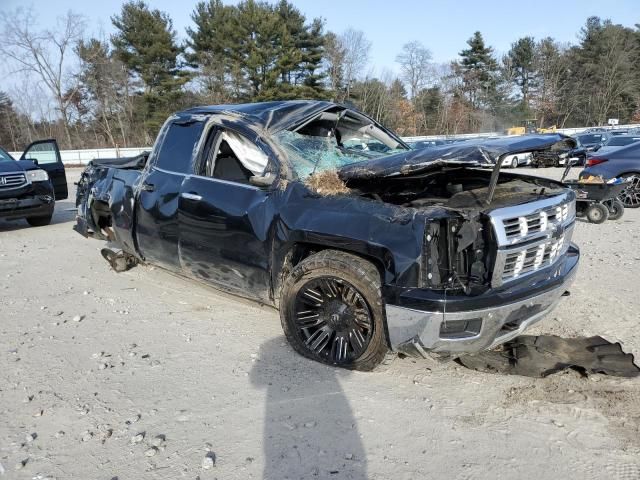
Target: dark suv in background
[30,186]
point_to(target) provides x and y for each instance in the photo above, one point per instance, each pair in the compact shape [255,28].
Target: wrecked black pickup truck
[366,247]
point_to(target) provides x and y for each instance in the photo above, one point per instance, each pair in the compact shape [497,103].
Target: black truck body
[460,256]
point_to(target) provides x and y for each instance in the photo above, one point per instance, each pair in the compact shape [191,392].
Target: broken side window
[237,158]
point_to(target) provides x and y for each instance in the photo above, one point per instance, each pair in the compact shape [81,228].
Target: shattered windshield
[311,154]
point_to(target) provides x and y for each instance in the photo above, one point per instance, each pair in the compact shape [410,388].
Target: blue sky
[442,26]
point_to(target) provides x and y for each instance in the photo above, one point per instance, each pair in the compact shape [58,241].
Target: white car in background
[517,160]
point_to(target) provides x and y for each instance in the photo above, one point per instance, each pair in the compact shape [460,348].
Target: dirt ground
[143,375]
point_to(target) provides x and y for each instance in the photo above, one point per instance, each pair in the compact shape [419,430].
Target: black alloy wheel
[333,320]
[331,311]
[630,196]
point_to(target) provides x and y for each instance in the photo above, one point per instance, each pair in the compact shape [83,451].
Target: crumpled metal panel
[473,153]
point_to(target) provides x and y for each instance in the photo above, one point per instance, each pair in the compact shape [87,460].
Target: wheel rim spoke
[319,339]
[339,348]
[333,320]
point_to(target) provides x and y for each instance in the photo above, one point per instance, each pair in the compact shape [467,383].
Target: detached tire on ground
[597,213]
[39,221]
[331,311]
[616,209]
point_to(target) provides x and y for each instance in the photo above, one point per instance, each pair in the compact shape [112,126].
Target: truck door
[47,156]
[224,219]
[159,190]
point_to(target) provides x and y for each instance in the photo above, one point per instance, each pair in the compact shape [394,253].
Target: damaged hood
[471,153]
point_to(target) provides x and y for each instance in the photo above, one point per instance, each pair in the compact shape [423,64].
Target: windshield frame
[305,162]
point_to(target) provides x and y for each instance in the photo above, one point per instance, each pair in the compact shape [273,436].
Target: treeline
[97,92]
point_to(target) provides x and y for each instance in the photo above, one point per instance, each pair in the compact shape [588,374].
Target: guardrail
[82,157]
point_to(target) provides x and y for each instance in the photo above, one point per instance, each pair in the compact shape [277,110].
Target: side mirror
[263,181]
[34,160]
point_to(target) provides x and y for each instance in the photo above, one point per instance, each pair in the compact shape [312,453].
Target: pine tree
[210,46]
[522,56]
[478,69]
[257,51]
[145,42]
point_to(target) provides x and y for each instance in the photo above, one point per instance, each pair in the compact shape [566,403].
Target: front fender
[392,236]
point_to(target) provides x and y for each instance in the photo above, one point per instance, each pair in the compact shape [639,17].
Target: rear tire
[331,311]
[616,209]
[40,221]
[597,213]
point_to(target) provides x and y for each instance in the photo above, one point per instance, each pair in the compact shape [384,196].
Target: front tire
[514,162]
[597,213]
[331,311]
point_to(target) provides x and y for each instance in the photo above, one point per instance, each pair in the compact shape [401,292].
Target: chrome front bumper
[414,332]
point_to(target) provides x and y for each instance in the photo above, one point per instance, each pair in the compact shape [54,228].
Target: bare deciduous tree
[356,48]
[415,66]
[45,54]
[334,57]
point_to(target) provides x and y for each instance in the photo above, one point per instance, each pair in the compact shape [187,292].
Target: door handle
[148,187]
[191,196]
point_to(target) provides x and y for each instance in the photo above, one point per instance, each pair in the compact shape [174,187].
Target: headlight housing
[37,175]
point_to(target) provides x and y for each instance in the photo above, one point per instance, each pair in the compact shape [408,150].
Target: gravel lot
[146,375]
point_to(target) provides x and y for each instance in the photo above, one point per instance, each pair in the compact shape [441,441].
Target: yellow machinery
[529,126]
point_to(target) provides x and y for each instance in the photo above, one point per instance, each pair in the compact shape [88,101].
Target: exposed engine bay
[458,188]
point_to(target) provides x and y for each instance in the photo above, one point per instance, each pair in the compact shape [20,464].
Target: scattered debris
[133,419]
[158,441]
[326,182]
[87,435]
[151,452]
[78,318]
[137,438]
[209,461]
[539,356]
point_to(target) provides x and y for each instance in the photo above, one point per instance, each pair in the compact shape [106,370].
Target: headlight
[37,175]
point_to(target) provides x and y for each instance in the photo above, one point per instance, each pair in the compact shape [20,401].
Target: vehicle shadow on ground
[64,212]
[309,428]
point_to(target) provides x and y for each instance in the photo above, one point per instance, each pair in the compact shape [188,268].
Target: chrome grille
[526,225]
[533,257]
[532,236]
[12,180]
